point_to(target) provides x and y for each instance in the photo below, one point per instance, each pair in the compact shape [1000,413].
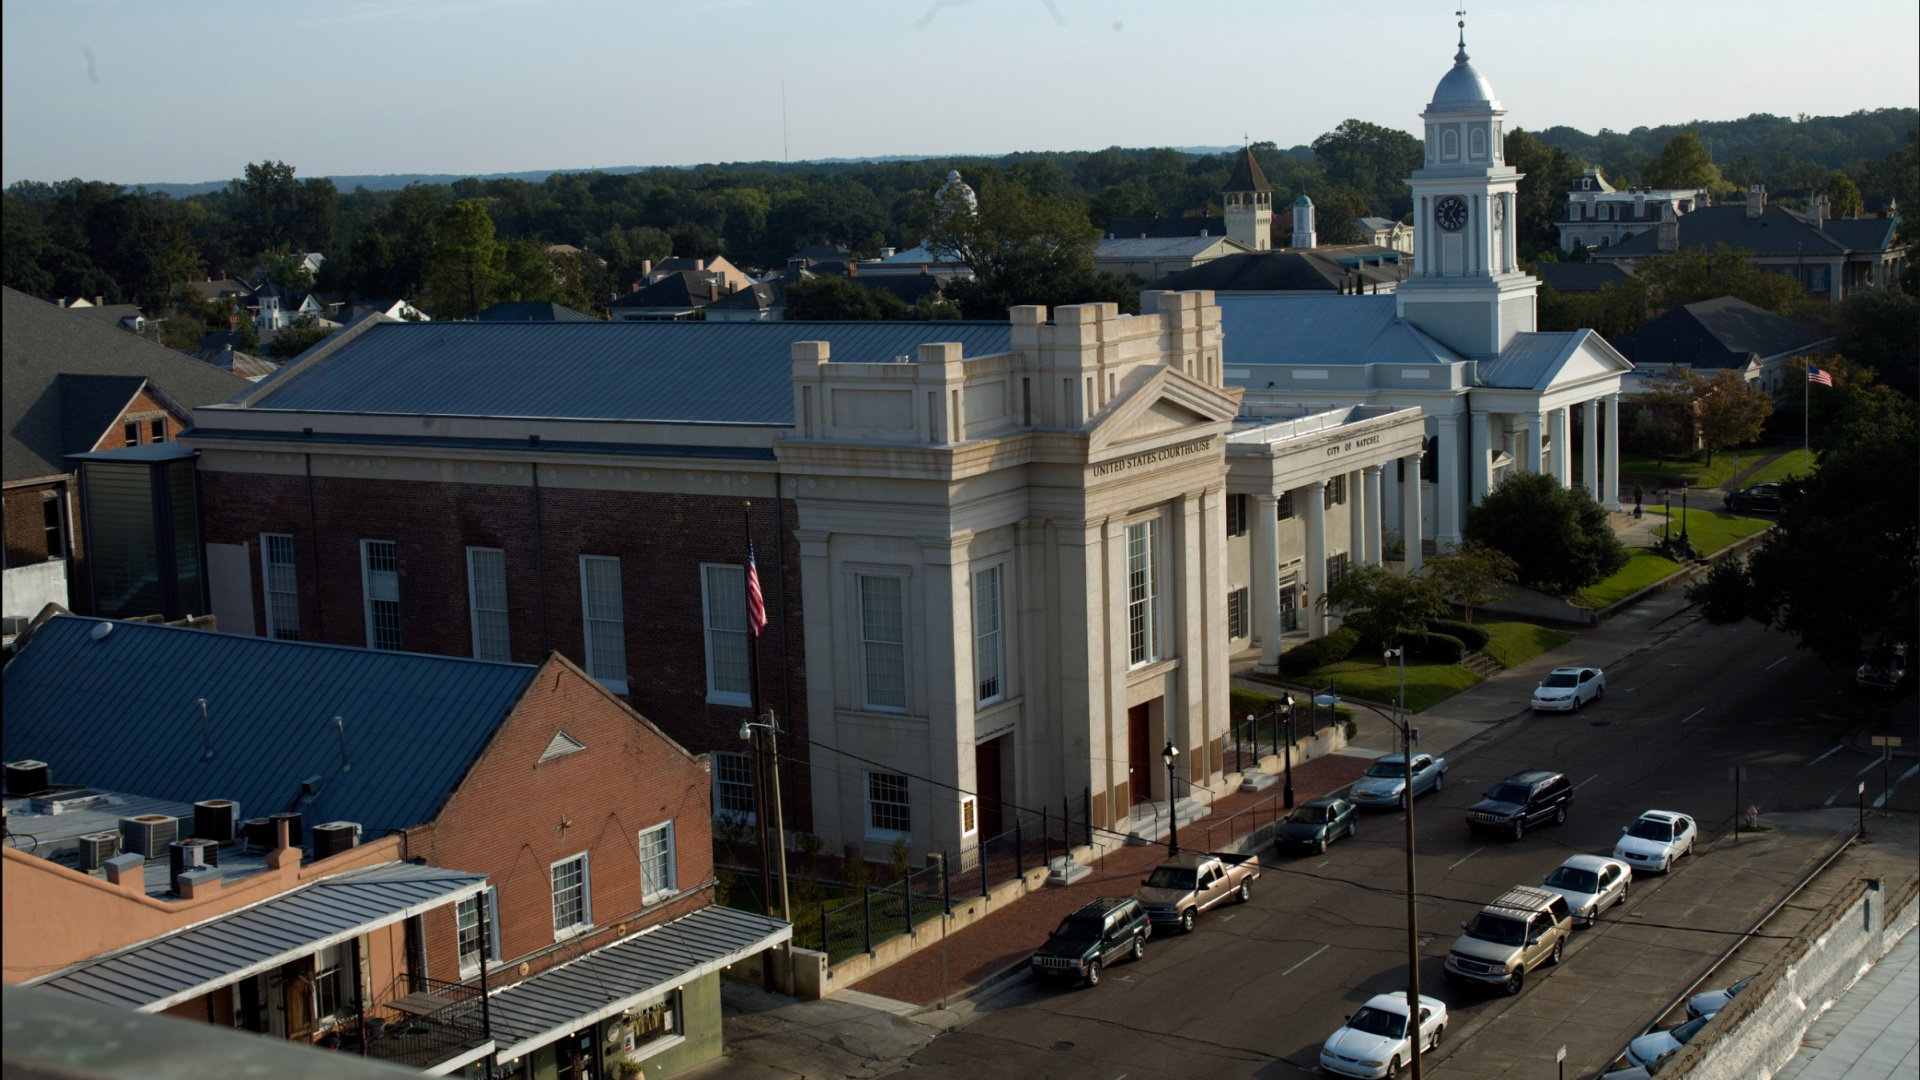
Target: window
[656,863]
[473,934]
[606,631]
[157,429]
[282,592]
[883,643]
[651,1026]
[380,584]
[487,600]
[1818,279]
[1143,592]
[1236,515]
[723,591]
[133,433]
[988,653]
[1237,614]
[887,809]
[572,904]
[1283,507]
[332,970]
[1336,493]
[50,520]
[1336,569]
[733,785]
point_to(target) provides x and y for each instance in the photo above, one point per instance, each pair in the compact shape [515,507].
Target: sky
[154,91]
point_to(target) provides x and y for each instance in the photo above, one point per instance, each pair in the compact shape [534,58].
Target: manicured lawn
[1691,469]
[1642,570]
[1428,682]
[1514,643]
[1245,702]
[1794,463]
[1711,530]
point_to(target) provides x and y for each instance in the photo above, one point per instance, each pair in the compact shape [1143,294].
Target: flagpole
[753,697]
[1806,408]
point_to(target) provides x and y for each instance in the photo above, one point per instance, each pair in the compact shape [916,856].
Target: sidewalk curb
[1685,575]
[993,981]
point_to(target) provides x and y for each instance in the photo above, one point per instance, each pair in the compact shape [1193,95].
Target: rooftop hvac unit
[295,837]
[148,834]
[96,849]
[334,837]
[259,834]
[26,777]
[185,855]
[217,820]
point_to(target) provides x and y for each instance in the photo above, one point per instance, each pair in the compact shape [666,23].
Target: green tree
[1336,216]
[1728,410]
[283,267]
[26,243]
[1380,605]
[830,297]
[296,339]
[1683,163]
[1023,248]
[1610,311]
[1685,277]
[1548,171]
[526,272]
[1726,594]
[1842,194]
[465,266]
[1666,403]
[1877,330]
[1559,539]
[270,195]
[1471,575]
[1373,161]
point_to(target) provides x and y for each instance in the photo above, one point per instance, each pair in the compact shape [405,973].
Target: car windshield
[1562,678]
[1574,879]
[1498,929]
[1510,793]
[1309,815]
[1395,770]
[1378,1022]
[1079,930]
[1739,986]
[1685,1032]
[1171,877]
[1649,829]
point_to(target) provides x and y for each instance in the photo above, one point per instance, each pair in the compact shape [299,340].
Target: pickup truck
[1185,885]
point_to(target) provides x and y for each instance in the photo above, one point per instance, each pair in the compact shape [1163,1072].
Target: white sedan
[1565,689]
[1373,1042]
[1655,1045]
[1656,841]
[1712,1001]
[1591,884]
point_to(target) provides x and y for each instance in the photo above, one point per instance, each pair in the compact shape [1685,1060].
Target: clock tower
[1466,289]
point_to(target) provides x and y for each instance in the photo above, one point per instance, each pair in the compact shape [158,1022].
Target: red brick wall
[660,539]
[512,818]
[26,533]
[115,436]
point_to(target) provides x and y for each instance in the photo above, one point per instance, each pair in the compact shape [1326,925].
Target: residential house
[764,301]
[564,838]
[353,310]
[916,260]
[1326,270]
[220,352]
[1385,233]
[75,385]
[820,253]
[1151,258]
[1597,215]
[215,289]
[532,311]
[676,297]
[1725,332]
[121,316]
[716,270]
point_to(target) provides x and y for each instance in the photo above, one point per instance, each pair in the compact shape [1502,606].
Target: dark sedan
[1314,824]
[1757,497]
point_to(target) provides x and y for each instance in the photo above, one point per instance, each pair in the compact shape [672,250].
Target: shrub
[1470,635]
[1441,648]
[1559,538]
[1725,594]
[1319,652]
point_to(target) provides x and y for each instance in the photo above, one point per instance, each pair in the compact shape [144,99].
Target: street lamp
[1683,512]
[1288,701]
[748,730]
[1173,823]
[1413,915]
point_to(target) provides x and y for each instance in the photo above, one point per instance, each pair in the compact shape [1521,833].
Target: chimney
[634,287]
[1817,209]
[99,301]
[853,268]
[699,265]
[1756,200]
[646,268]
[233,322]
[886,253]
[1669,229]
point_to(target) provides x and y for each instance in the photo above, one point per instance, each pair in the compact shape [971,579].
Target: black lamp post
[1683,512]
[1288,701]
[1413,914]
[1173,823]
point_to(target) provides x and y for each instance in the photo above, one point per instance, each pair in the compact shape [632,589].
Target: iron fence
[417,1026]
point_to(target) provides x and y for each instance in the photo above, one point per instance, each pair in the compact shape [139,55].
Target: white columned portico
[1557,445]
[1316,560]
[1590,448]
[1486,447]
[1530,453]
[1371,485]
[1265,547]
[1447,483]
[1356,517]
[1609,493]
[1410,509]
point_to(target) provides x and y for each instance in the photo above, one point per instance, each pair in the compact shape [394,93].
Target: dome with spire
[1462,88]
[956,195]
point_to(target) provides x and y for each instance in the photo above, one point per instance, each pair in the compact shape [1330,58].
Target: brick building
[589,825]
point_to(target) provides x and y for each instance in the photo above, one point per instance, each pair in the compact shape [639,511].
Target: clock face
[1499,212]
[1451,213]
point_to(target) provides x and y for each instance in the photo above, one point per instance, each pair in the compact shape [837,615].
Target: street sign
[1560,1054]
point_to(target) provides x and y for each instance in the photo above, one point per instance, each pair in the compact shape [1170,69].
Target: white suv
[1656,841]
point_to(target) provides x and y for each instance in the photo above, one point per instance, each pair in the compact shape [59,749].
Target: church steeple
[1248,199]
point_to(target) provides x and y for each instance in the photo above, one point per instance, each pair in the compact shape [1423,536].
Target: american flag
[1818,377]
[756,605]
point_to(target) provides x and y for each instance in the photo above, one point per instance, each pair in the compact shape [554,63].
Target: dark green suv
[1104,931]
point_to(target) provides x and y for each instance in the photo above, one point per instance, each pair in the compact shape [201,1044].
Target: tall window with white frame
[477,926]
[1143,592]
[733,786]
[883,642]
[989,651]
[605,623]
[380,586]
[723,591]
[889,815]
[487,602]
[656,863]
[332,982]
[572,902]
[280,587]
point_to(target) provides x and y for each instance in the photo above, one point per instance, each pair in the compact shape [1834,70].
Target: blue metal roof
[1530,360]
[122,714]
[1322,331]
[717,372]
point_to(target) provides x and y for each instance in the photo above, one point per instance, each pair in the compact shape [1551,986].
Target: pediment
[1161,406]
[1593,359]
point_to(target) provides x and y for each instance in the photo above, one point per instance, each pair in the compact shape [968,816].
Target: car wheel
[1246,892]
[1666,865]
[1353,829]
[1093,973]
[1139,947]
[1320,846]
[1554,960]
[1560,814]
[1519,827]
[1515,982]
[1186,918]
[1434,1043]
[1393,1066]
[1576,701]
[1622,898]
[1601,692]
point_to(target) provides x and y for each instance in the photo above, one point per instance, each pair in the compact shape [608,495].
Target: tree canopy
[1558,538]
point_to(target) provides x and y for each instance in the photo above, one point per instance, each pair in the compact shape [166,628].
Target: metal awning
[164,971]
[536,1011]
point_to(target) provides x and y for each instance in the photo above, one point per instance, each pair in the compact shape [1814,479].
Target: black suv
[1104,931]
[1757,497]
[1529,798]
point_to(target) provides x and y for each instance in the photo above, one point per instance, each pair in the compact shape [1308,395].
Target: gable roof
[1317,270]
[681,289]
[110,314]
[716,372]
[39,343]
[1247,175]
[122,714]
[1323,331]
[1722,332]
[822,253]
[532,311]
[1159,227]
[1163,247]
[1581,276]
[1777,231]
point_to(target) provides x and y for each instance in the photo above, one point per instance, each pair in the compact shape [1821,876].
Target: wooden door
[1139,756]
[986,772]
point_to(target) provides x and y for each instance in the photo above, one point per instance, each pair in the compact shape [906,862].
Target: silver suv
[1523,929]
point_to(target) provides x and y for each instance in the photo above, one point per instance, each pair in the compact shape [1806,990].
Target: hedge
[1470,635]
[1441,648]
[1318,652]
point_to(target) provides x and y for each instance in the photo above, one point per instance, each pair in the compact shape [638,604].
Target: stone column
[1590,448]
[1447,484]
[1356,517]
[1557,446]
[1315,495]
[1530,453]
[1373,504]
[1263,549]
[947,693]
[1410,509]
[1487,441]
[1609,493]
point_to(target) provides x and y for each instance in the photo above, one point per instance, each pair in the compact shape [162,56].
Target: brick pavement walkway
[1010,934]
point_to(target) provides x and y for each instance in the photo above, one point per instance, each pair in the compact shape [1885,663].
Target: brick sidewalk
[1009,935]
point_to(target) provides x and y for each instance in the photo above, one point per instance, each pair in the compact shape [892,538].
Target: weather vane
[1461,15]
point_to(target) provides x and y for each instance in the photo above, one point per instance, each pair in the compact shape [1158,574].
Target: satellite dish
[101,630]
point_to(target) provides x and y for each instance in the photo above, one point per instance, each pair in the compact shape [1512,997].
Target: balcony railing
[418,1022]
